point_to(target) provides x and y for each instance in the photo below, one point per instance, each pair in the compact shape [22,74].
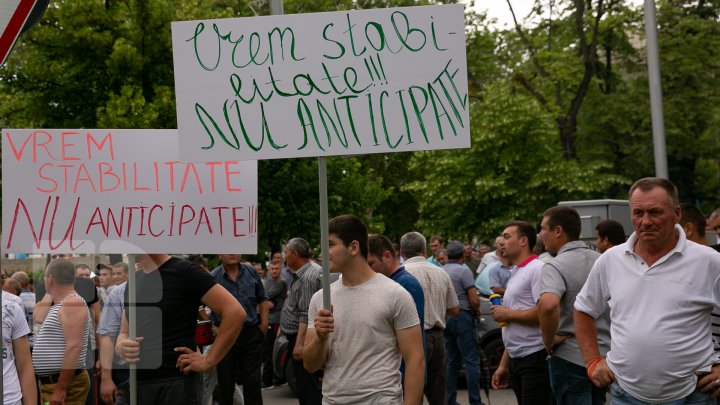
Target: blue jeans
[620,397]
[461,345]
[571,384]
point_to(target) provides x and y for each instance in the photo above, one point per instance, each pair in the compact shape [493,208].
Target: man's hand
[557,340]
[500,378]
[500,313]
[297,353]
[190,361]
[710,382]
[108,391]
[599,373]
[263,327]
[324,324]
[128,349]
[58,396]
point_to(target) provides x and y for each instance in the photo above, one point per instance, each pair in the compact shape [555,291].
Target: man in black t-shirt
[169,291]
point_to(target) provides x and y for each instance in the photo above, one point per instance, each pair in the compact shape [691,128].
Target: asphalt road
[283,396]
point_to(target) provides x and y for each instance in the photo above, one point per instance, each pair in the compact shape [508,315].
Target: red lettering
[171,165]
[111,216]
[65,176]
[48,139]
[36,236]
[69,232]
[228,172]
[188,167]
[182,216]
[220,217]
[90,140]
[203,219]
[99,221]
[78,179]
[135,180]
[212,166]
[42,176]
[142,221]
[65,145]
[130,214]
[150,214]
[107,172]
[236,212]
[18,154]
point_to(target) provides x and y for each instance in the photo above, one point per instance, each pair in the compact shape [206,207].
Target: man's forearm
[586,335]
[69,365]
[106,345]
[226,335]
[302,331]
[414,379]
[314,354]
[525,316]
[549,318]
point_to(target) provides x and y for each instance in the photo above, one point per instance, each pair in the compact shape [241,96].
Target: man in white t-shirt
[18,375]
[661,289]
[372,326]
[524,364]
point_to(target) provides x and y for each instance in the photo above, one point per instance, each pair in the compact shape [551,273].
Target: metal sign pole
[324,246]
[132,324]
[656,103]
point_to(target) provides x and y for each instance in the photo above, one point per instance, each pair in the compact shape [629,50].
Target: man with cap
[460,335]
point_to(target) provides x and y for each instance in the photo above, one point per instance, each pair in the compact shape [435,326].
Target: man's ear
[689,229]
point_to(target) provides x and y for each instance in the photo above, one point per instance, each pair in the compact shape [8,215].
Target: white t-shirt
[660,316]
[14,326]
[363,359]
[523,292]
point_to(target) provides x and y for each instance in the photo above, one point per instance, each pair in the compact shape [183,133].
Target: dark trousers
[436,386]
[309,385]
[183,390]
[242,365]
[529,379]
[571,384]
[268,373]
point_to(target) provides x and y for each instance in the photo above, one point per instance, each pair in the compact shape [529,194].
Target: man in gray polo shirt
[562,279]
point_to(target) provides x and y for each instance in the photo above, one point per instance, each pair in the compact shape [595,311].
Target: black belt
[54,378]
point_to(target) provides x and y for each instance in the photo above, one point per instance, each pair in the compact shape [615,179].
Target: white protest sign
[121,191]
[340,83]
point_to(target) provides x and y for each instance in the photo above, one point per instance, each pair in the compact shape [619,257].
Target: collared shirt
[498,274]
[437,289]
[412,285]
[111,316]
[248,290]
[564,276]
[434,261]
[306,281]
[523,291]
[462,280]
[660,316]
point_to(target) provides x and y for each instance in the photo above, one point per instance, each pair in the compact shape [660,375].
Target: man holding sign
[377,326]
[169,291]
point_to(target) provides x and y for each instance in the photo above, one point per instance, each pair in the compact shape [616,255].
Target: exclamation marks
[252,220]
[377,71]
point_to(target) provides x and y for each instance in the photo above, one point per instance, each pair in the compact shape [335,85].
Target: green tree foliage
[559,109]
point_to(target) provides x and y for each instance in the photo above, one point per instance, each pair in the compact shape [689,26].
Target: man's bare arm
[73,319]
[549,316]
[411,347]
[23,364]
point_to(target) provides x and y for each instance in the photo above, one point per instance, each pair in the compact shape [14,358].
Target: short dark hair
[122,265]
[379,244]
[62,271]
[299,246]
[565,217]
[524,229]
[275,262]
[14,285]
[692,214]
[412,244]
[350,228]
[612,230]
[198,259]
[648,183]
[437,238]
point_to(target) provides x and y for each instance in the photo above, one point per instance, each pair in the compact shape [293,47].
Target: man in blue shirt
[382,259]
[243,283]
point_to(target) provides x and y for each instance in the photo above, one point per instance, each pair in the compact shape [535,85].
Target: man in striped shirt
[306,280]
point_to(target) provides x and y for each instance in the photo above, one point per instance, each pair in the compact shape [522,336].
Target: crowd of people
[635,319]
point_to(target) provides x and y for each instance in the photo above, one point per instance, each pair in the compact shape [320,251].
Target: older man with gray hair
[440,301]
[663,289]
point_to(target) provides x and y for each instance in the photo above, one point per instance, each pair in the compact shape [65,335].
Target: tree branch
[524,39]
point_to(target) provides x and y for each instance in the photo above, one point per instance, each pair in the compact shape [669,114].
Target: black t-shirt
[167,309]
